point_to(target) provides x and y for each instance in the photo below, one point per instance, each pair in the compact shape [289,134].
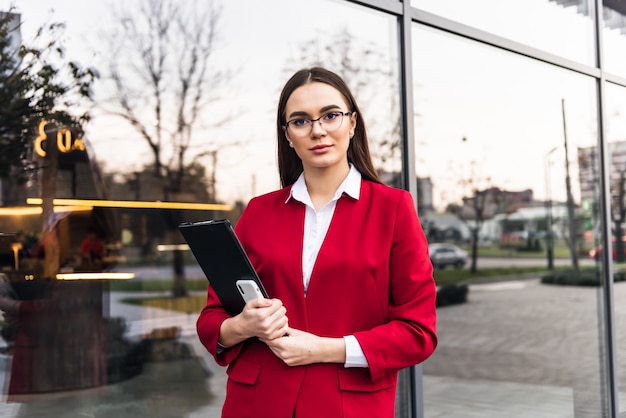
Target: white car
[443,255]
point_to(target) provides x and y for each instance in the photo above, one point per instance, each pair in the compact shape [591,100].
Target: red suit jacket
[372,279]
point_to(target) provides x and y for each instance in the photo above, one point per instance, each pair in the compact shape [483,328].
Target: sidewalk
[520,349]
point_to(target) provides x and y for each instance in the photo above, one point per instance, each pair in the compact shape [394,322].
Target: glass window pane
[563,28]
[491,133]
[130,337]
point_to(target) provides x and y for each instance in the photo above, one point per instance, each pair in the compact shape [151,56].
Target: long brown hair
[289,164]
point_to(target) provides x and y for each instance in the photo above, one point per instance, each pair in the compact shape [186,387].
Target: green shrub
[452,294]
[580,278]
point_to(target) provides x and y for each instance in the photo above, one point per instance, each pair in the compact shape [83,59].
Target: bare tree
[164,77]
[483,201]
[571,217]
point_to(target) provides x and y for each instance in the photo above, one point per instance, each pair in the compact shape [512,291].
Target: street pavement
[521,349]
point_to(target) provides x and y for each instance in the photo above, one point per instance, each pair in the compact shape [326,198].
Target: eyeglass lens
[330,122]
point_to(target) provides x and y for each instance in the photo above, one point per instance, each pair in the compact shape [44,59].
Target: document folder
[222,259]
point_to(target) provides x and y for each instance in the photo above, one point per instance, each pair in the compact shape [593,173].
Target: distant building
[613,13]
[444,227]
[498,201]
[589,178]
[504,211]
[145,185]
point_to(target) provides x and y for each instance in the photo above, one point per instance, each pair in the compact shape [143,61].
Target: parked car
[443,255]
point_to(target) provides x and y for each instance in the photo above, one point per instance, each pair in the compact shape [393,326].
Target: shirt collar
[350,186]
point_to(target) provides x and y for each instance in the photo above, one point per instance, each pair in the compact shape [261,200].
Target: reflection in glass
[614,37]
[564,28]
[130,337]
[492,140]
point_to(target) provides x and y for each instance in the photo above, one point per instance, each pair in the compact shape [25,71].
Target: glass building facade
[520,105]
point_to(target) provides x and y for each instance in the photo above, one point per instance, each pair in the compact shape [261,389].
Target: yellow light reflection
[172,247]
[18,211]
[58,209]
[95,276]
[132,204]
[29,210]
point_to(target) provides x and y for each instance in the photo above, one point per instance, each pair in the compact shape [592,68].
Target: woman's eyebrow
[298,113]
[329,107]
[322,110]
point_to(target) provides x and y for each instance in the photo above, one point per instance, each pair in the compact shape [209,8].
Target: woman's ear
[287,137]
[353,118]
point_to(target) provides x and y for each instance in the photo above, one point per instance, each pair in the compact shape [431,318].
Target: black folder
[222,259]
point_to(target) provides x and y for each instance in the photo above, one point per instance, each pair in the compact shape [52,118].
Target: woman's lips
[320,149]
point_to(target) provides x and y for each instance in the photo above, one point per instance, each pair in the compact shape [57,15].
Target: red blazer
[372,279]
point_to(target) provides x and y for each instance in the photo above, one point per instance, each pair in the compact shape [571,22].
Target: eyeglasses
[330,122]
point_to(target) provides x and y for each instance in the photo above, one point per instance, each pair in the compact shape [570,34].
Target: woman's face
[321,144]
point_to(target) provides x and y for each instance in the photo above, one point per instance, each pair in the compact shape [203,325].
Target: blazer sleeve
[211,318]
[409,337]
[208,329]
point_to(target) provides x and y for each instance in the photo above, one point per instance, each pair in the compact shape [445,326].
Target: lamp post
[548,205]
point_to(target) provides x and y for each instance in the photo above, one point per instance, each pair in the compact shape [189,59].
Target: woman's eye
[299,122]
[331,116]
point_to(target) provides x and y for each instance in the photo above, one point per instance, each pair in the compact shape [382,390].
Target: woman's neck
[323,183]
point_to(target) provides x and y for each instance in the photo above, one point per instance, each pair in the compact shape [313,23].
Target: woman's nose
[317,128]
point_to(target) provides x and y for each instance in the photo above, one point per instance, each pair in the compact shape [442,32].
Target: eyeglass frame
[286,125]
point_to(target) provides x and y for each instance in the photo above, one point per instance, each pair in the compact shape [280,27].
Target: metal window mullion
[406,97]
[610,359]
[615,79]
[408,166]
[393,7]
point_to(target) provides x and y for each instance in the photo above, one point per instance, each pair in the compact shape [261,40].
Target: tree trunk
[474,267]
[49,237]
[173,237]
[179,289]
[619,231]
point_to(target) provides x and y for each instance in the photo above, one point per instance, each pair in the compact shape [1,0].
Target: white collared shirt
[316,224]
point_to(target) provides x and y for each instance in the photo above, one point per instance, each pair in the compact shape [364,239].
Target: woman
[344,259]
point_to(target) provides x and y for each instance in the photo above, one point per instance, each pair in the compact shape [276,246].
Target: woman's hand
[263,318]
[300,348]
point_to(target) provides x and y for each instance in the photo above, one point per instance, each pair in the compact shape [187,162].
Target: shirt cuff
[354,353]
